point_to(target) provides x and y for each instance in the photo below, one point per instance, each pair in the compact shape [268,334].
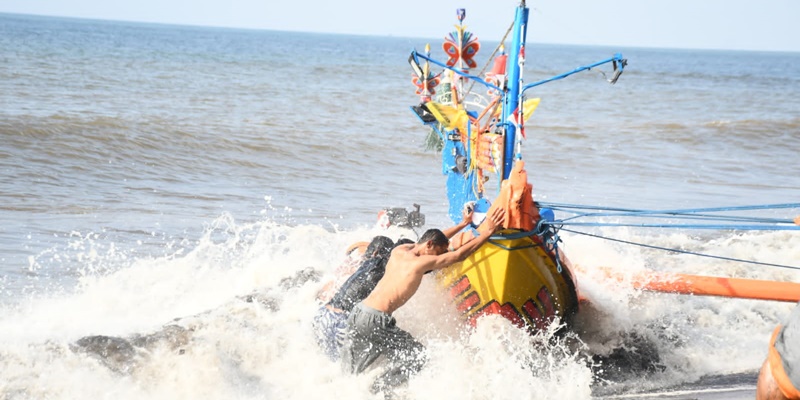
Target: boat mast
[512,99]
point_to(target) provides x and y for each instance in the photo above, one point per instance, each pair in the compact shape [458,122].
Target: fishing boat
[520,273]
[477,120]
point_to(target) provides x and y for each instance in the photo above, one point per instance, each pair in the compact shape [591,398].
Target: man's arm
[466,218]
[493,223]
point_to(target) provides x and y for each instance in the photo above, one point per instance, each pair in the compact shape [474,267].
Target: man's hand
[495,221]
[466,214]
[466,219]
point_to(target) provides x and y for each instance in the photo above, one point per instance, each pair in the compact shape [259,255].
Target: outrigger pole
[740,288]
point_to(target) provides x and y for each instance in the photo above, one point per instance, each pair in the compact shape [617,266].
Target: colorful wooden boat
[520,273]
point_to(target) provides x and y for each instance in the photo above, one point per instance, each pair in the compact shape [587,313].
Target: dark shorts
[329,329]
[372,333]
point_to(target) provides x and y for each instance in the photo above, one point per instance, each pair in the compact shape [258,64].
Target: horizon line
[248,28]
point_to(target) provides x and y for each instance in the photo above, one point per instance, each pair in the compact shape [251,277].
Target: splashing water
[230,317]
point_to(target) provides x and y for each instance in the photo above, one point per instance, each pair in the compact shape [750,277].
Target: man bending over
[371,329]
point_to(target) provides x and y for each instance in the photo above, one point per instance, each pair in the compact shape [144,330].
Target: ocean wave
[240,299]
[766,126]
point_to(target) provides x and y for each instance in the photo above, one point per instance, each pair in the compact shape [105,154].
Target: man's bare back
[409,263]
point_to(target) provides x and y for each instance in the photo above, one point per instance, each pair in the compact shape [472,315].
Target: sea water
[174,197]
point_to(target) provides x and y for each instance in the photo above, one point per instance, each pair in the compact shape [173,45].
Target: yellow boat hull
[515,278]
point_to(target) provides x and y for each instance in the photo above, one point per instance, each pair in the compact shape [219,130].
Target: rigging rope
[682,251]
[502,41]
[687,226]
[700,214]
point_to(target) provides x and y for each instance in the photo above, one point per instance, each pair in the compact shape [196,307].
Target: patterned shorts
[329,328]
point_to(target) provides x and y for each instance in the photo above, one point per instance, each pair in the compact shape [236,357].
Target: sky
[763,25]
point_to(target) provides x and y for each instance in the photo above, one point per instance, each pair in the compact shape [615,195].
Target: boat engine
[398,216]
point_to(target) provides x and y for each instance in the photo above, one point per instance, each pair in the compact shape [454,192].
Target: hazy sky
[771,25]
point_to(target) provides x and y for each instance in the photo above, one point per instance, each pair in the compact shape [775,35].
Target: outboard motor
[398,216]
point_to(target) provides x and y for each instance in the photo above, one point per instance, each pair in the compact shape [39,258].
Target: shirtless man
[372,330]
[331,318]
[330,323]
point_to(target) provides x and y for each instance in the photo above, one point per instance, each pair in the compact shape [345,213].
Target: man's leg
[362,343]
[322,327]
[406,357]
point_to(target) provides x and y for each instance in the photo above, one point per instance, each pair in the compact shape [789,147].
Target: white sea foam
[242,335]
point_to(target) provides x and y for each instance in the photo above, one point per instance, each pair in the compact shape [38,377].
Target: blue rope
[683,251]
[708,217]
[504,247]
[552,241]
[416,56]
[614,211]
[683,226]
[512,236]
[700,214]
[689,210]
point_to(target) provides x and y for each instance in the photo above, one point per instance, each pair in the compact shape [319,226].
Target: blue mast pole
[511,101]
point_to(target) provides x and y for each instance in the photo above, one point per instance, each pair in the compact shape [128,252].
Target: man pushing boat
[371,329]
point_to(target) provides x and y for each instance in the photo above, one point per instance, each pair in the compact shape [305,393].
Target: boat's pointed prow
[516,274]
[515,277]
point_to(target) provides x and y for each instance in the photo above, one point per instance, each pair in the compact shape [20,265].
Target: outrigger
[522,273]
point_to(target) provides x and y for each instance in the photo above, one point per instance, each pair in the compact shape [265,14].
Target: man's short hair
[403,241]
[436,236]
[380,246]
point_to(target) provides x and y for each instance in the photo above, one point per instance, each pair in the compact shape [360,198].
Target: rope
[502,41]
[504,247]
[513,236]
[682,251]
[700,214]
[686,226]
[677,211]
